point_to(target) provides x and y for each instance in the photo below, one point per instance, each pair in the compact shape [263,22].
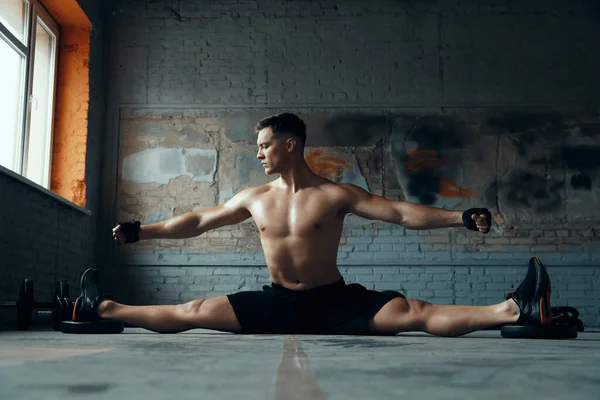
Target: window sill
[34,185]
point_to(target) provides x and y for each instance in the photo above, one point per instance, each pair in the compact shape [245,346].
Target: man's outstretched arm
[191,224]
[411,215]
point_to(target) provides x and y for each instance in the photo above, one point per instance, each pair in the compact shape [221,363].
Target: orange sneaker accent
[543,315]
[75,308]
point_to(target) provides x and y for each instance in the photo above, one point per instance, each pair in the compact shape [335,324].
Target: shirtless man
[300,217]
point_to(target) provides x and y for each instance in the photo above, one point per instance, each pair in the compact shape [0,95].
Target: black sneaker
[86,305]
[533,295]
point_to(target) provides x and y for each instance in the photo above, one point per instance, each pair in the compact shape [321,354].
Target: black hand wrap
[131,230]
[468,221]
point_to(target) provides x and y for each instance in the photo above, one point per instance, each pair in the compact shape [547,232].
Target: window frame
[26,49]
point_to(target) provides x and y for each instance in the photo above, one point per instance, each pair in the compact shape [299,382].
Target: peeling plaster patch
[199,165]
[225,195]
[354,177]
[159,165]
[149,127]
[239,127]
[247,164]
[157,217]
[194,136]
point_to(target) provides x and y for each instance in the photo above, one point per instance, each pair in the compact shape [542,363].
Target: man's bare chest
[297,216]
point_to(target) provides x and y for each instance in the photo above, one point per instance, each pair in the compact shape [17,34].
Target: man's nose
[260,155]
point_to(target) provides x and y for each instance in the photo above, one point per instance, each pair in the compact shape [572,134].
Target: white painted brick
[385,255]
[443,293]
[411,255]
[361,270]
[385,270]
[367,278]
[394,278]
[439,285]
[414,285]
[201,271]
[496,286]
[439,269]
[173,272]
[442,277]
[388,286]
[362,257]
[195,288]
[385,240]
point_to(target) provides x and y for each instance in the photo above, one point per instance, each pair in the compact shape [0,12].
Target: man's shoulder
[351,189]
[344,191]
[253,191]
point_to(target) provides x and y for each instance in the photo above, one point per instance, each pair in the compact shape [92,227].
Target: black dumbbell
[62,307]
[59,309]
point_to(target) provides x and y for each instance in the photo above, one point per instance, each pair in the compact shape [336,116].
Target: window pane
[12,83]
[13,15]
[38,152]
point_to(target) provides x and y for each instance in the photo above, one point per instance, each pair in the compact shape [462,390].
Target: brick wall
[42,238]
[438,59]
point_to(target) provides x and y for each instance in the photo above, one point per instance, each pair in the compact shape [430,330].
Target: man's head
[280,140]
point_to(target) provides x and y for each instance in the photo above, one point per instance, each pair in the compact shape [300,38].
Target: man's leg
[403,315]
[214,313]
[530,304]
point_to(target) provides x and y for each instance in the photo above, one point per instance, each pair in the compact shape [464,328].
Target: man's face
[271,151]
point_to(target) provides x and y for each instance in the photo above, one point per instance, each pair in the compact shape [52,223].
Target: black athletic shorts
[335,309]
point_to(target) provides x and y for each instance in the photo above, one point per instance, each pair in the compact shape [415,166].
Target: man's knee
[416,307]
[416,313]
[192,308]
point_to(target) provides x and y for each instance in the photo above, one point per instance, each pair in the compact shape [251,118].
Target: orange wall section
[72,101]
[71,117]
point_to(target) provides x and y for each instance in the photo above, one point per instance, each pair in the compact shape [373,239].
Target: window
[28,50]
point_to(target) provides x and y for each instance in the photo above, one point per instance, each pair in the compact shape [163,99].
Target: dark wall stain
[354,130]
[424,167]
[490,195]
[581,157]
[423,185]
[436,133]
[535,191]
[521,122]
[581,181]
[589,129]
[524,143]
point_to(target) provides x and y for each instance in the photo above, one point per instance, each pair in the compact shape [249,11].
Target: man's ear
[290,144]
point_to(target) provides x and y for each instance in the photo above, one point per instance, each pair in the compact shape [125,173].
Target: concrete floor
[202,364]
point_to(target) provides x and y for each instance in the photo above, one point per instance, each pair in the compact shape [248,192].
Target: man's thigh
[217,313]
[397,315]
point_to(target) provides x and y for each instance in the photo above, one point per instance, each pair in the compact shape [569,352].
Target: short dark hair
[284,123]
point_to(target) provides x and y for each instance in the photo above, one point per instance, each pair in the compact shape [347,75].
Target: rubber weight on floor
[98,327]
[551,331]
